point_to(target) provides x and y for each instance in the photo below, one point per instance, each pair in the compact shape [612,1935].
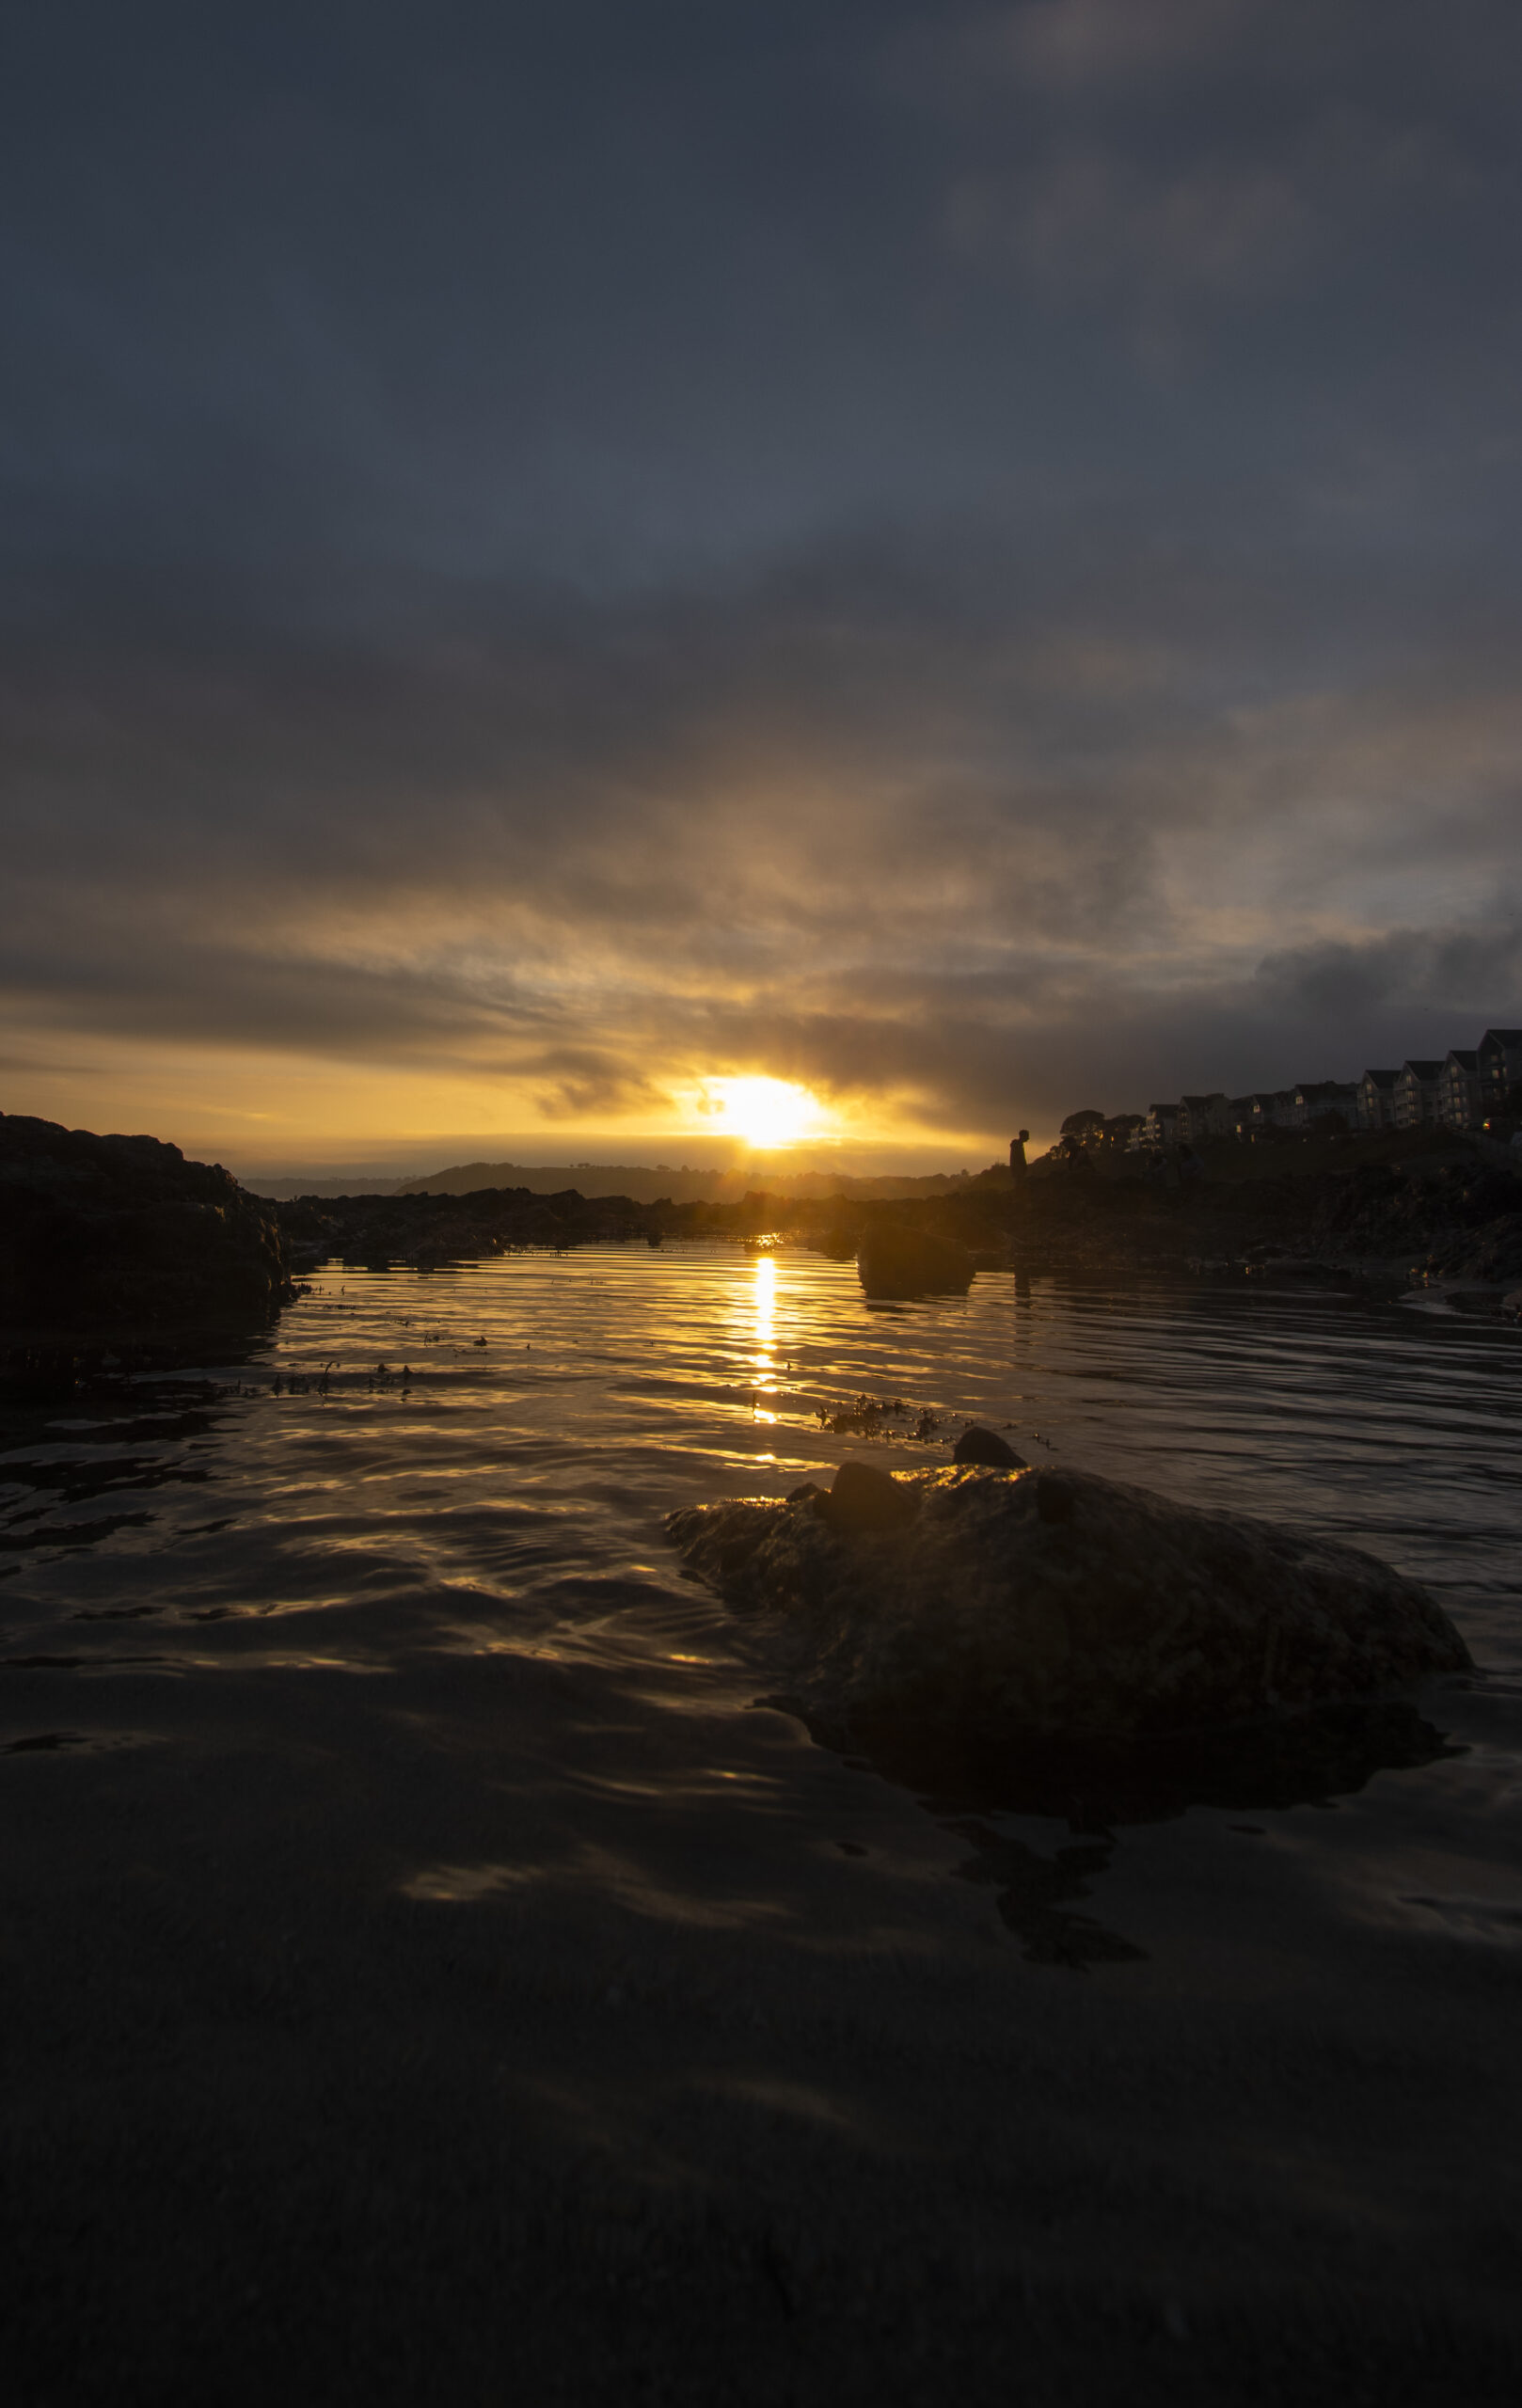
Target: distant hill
[643,1184]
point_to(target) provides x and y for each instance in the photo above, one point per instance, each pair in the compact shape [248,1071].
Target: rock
[979,1446]
[123,1230]
[1054,1498]
[1001,1602]
[865,1498]
[894,1260]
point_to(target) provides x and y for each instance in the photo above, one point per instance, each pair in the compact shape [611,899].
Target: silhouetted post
[1017,1156]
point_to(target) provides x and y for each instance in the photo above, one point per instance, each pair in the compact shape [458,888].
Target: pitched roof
[1425,1071]
[1467,1061]
[1380,1078]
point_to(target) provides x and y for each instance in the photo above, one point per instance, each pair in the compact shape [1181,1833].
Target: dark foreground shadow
[1307,1759]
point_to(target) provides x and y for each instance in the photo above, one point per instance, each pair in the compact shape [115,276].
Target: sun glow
[765,1112]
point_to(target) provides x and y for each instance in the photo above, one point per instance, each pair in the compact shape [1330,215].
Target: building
[1500,1052]
[1160,1126]
[1316,1098]
[1203,1115]
[1376,1100]
[1458,1091]
[1271,1108]
[1416,1087]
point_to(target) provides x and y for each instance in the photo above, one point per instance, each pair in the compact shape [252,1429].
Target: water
[359,1719]
[477,1463]
[484,1456]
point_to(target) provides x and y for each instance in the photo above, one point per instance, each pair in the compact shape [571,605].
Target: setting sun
[767,1112]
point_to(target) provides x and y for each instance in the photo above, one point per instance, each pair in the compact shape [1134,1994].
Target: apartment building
[1315,1098]
[1203,1115]
[1418,1086]
[1458,1090]
[1376,1100]
[1499,1055]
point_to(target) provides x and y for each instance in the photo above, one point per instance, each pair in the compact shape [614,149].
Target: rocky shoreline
[115,1231]
[1455,1220]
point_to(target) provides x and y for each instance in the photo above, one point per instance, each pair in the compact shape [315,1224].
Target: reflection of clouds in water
[613,1874]
[457,1884]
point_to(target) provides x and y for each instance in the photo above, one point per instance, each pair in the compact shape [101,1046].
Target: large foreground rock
[115,1231]
[996,1601]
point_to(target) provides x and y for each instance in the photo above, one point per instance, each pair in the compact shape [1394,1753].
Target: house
[1203,1115]
[1458,1090]
[1316,1098]
[1500,1052]
[1416,1094]
[1160,1126]
[1376,1098]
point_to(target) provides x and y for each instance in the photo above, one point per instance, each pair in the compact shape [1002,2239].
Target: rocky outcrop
[894,1259]
[1005,1601]
[978,1445]
[1458,1220]
[429,1231]
[123,1230]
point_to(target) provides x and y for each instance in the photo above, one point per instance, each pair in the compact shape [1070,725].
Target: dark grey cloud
[954,554]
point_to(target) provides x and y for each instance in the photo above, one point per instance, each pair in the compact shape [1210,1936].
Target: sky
[557,559]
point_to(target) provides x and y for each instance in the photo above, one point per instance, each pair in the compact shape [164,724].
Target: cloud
[965,557]
[1403,974]
[920,830]
[1063,44]
[1089,221]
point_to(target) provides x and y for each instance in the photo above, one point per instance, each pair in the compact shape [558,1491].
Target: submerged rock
[1010,1601]
[897,1261]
